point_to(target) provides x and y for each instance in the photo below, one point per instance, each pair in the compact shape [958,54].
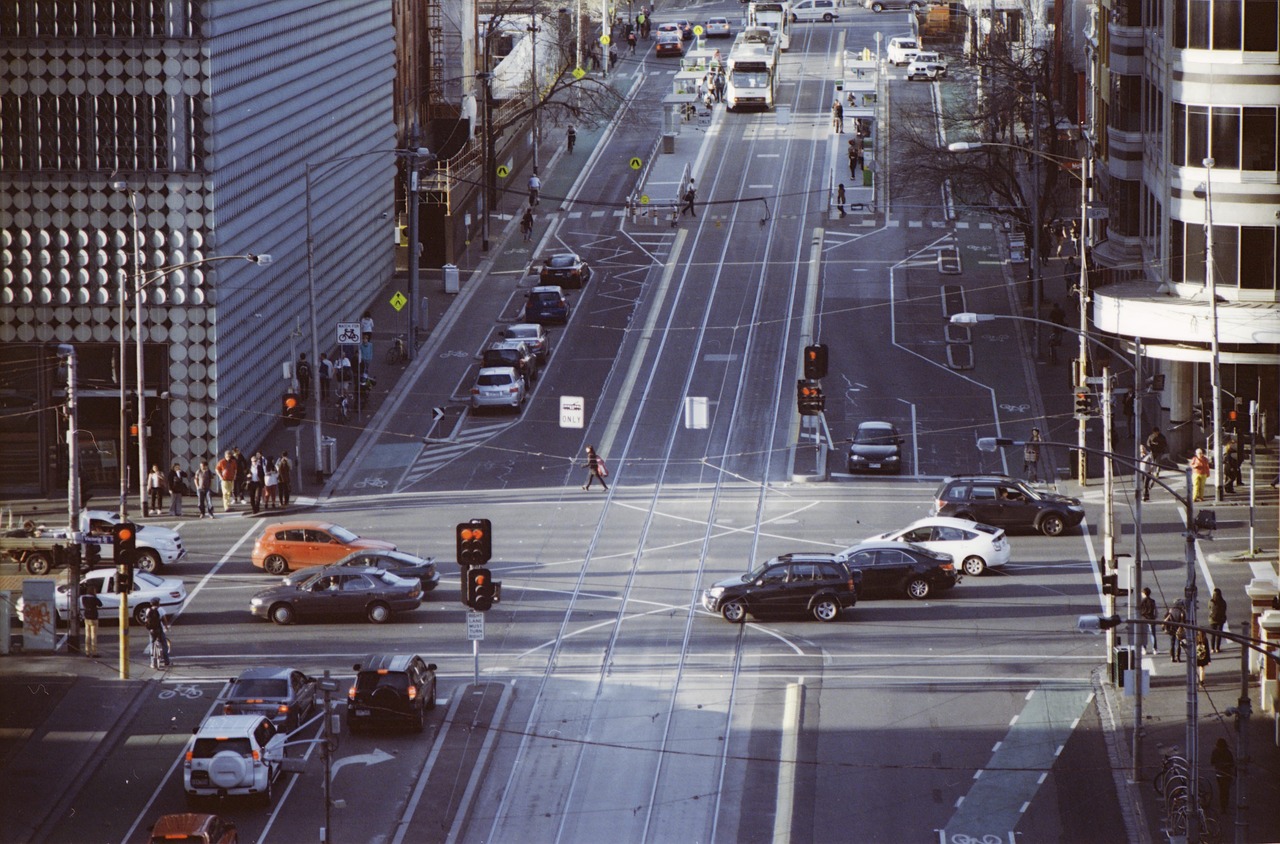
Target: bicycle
[397,352]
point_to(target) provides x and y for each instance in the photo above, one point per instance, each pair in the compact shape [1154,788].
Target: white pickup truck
[33,547]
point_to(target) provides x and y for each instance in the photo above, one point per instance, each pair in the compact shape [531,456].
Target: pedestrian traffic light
[1082,402]
[1110,584]
[474,542]
[482,590]
[809,398]
[292,410]
[124,578]
[815,361]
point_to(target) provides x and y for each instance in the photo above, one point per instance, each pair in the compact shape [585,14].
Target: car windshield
[343,535]
[874,436]
[756,573]
[561,262]
[256,687]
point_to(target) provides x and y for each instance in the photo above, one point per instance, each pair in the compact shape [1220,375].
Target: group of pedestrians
[260,481]
[1171,623]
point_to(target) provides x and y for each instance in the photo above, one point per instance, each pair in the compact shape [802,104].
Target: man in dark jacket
[90,603]
[156,623]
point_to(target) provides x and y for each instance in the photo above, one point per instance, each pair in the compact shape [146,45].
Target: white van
[903,50]
[814,10]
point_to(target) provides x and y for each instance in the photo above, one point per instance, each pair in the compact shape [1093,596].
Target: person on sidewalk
[596,470]
[257,474]
[1031,456]
[155,491]
[284,468]
[227,468]
[837,116]
[1147,612]
[690,194]
[855,156]
[1150,470]
[1224,768]
[1177,636]
[1231,465]
[1217,619]
[1203,657]
[304,377]
[1199,474]
[203,480]
[526,224]
[840,198]
[571,138]
[326,376]
[156,622]
[90,603]
[1158,446]
[242,473]
[270,485]
[177,482]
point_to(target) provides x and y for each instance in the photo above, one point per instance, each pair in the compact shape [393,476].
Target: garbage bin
[668,143]
[1123,662]
[450,278]
[328,455]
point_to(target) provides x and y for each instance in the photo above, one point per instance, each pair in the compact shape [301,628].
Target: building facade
[148,144]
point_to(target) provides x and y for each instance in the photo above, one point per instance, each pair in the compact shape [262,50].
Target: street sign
[604,39]
[644,199]
[635,163]
[503,171]
[578,73]
[348,334]
[572,411]
[697,30]
[398,301]
[437,413]
[475,627]
[1098,212]
[695,412]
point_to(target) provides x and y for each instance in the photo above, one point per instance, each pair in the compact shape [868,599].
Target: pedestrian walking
[1147,612]
[155,491]
[535,185]
[254,484]
[1200,466]
[690,194]
[1203,657]
[342,374]
[840,198]
[202,479]
[631,43]
[1177,636]
[177,481]
[1031,456]
[1231,465]
[596,470]
[1158,446]
[855,157]
[284,468]
[526,224]
[326,376]
[270,485]
[156,624]
[571,138]
[366,323]
[227,469]
[242,473]
[1217,619]
[304,377]
[366,355]
[1224,768]
[837,116]
[90,603]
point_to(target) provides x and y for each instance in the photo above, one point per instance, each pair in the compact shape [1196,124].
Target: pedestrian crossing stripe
[438,453]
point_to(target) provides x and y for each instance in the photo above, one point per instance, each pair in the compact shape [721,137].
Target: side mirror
[431,666]
[355,667]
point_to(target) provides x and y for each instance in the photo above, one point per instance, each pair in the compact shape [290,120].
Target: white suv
[903,50]
[233,755]
[927,65]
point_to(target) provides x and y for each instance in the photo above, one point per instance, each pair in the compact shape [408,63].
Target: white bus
[774,14]
[752,80]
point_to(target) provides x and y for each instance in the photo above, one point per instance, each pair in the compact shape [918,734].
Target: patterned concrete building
[182,128]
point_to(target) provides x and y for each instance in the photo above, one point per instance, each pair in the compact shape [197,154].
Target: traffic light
[815,361]
[482,589]
[809,398]
[292,410]
[475,542]
[1110,584]
[1082,402]
[124,541]
[124,578]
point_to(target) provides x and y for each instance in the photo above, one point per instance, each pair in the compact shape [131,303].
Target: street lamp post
[1215,362]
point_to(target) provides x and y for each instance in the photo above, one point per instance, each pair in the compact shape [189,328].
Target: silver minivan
[814,10]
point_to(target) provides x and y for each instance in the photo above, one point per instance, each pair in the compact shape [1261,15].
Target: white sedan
[170,590]
[977,547]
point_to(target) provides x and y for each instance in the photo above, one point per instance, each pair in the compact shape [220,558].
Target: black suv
[515,354]
[1006,502]
[391,688]
[793,583]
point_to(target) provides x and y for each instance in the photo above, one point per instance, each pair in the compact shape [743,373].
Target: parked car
[233,755]
[294,545]
[284,695]
[391,689]
[927,65]
[894,569]
[668,44]
[816,584]
[1006,502]
[193,828]
[515,354]
[902,50]
[498,386]
[978,547]
[421,569]
[916,6]
[171,591]
[814,10]
[532,335]
[717,28]
[875,447]
[544,304]
[339,590]
[565,269]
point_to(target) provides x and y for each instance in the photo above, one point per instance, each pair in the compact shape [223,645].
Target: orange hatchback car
[295,545]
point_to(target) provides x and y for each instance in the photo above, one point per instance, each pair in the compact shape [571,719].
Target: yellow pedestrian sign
[604,39]
[635,163]
[644,199]
[503,171]
[697,30]
[578,73]
[398,301]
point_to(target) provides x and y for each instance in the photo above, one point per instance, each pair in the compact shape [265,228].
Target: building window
[1244,257]
[1261,25]
[1234,142]
[1226,25]
[1259,139]
[1258,258]
[1225,144]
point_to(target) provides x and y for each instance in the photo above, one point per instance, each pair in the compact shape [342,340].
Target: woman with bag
[596,470]
[155,491]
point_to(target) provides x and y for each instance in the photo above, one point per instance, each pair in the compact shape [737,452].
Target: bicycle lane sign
[348,334]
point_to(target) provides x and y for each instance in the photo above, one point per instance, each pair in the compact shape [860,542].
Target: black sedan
[284,695]
[565,270]
[894,569]
[876,447]
[338,590]
[422,569]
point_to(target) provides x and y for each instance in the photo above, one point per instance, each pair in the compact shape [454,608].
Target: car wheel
[974,565]
[266,792]
[149,560]
[379,613]
[282,614]
[1052,524]
[966,516]
[918,588]
[734,611]
[419,721]
[827,18]
[275,564]
[38,562]
[877,7]
[826,609]
[431,698]
[915,7]
[140,613]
